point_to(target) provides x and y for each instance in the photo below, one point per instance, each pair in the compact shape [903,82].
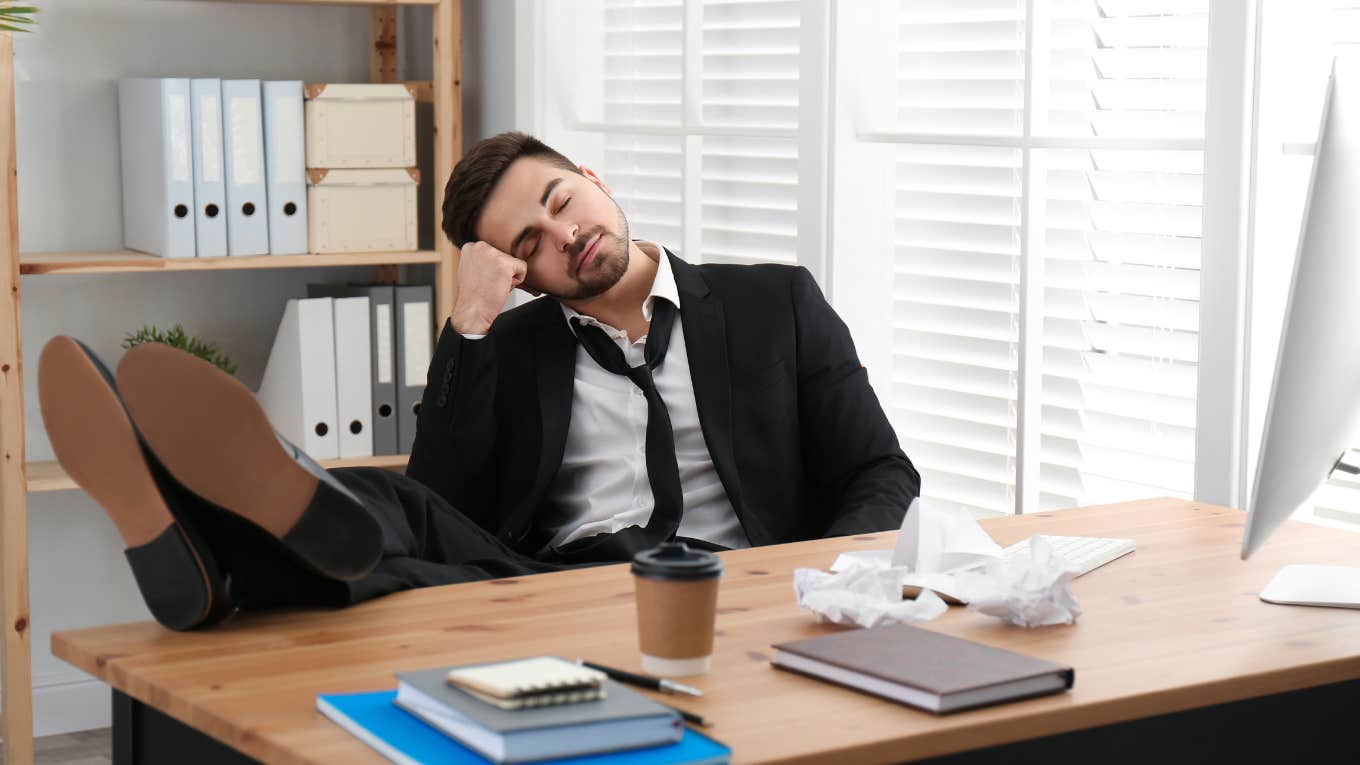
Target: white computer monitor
[1315,400]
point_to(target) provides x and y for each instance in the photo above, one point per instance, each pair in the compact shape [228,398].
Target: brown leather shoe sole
[94,441]
[212,436]
[97,445]
[210,433]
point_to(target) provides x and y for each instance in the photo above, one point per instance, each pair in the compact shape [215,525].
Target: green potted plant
[16,18]
[178,338]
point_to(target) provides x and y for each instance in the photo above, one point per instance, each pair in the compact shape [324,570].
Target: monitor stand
[1310,585]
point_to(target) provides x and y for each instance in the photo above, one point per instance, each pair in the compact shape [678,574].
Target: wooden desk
[1174,626]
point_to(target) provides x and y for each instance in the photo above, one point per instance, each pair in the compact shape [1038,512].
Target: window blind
[1121,252]
[960,71]
[643,85]
[749,186]
[1115,230]
[717,173]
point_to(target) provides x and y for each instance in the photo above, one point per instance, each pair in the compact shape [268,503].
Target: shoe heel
[177,602]
[212,436]
[96,443]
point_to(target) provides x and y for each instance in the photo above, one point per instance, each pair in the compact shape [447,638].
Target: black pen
[689,717]
[643,681]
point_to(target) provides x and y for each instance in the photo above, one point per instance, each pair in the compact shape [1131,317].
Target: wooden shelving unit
[128,261]
[18,478]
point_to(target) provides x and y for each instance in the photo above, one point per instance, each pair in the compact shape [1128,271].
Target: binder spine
[286,181]
[243,145]
[415,337]
[157,175]
[353,376]
[210,214]
[384,372]
[298,389]
[179,208]
[318,378]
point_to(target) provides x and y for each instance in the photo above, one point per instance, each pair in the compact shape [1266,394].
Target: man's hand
[485,277]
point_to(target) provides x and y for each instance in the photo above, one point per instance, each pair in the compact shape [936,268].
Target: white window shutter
[960,71]
[700,122]
[1116,229]
[749,186]
[644,81]
[1121,232]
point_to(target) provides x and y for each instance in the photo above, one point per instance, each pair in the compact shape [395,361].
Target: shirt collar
[663,287]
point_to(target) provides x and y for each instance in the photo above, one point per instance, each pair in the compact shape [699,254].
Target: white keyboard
[1087,553]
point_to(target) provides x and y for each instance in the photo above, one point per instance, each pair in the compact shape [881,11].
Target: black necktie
[661,467]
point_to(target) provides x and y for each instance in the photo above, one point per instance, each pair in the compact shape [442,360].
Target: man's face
[565,227]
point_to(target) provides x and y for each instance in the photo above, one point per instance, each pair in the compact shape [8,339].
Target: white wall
[488,68]
[69,199]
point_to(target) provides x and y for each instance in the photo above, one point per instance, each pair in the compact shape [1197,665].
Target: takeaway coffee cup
[677,597]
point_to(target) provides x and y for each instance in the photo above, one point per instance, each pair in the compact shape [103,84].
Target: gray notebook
[622,719]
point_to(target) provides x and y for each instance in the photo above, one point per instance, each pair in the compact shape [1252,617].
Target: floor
[88,747]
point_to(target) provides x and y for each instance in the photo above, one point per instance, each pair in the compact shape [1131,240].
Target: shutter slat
[977,352]
[955,264]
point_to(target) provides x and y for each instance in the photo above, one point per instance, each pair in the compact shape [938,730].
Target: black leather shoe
[181,581]
[213,437]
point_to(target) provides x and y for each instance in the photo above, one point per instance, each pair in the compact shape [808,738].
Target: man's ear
[595,179]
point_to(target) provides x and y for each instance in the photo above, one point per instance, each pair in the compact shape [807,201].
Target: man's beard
[605,269]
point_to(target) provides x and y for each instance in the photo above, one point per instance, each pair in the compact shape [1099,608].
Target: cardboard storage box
[360,125]
[362,210]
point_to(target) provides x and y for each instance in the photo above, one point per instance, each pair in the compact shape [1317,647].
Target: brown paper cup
[677,599]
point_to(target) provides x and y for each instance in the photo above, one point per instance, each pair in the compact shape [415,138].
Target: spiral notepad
[533,682]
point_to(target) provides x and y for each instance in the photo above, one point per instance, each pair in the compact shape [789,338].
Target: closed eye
[533,246]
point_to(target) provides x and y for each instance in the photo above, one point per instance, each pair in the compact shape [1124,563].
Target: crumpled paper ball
[1030,591]
[864,596]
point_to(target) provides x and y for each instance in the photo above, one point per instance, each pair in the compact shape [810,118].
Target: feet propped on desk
[172,448]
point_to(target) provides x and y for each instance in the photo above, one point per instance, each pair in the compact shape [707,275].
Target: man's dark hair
[476,175]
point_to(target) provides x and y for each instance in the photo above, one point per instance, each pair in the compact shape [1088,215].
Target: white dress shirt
[602,486]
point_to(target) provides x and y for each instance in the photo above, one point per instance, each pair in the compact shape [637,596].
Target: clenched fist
[485,277]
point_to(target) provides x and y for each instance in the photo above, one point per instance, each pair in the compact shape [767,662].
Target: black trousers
[426,542]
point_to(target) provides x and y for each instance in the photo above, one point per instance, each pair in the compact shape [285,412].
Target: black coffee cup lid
[675,561]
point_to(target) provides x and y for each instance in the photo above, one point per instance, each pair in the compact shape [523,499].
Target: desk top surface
[1175,625]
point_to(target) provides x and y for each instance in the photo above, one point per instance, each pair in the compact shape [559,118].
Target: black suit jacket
[797,435]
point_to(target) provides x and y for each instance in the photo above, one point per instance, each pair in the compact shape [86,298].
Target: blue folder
[405,739]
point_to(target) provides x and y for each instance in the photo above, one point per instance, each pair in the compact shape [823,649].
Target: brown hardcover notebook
[936,672]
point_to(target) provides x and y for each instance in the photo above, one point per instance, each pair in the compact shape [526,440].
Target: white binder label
[383,329]
[179,139]
[245,140]
[288,132]
[210,138]
[416,319]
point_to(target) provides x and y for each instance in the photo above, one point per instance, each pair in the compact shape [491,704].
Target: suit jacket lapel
[702,317]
